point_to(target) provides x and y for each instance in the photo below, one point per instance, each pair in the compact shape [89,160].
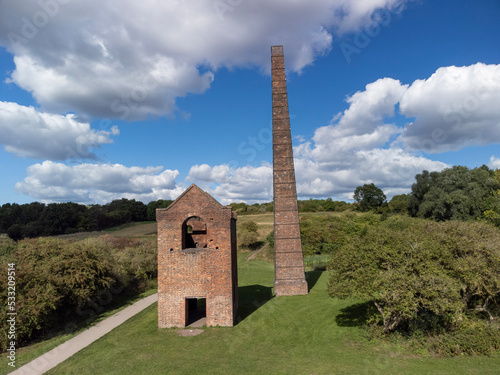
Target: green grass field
[312,334]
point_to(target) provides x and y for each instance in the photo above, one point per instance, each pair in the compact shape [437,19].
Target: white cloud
[235,184]
[28,133]
[393,170]
[127,59]
[494,162]
[101,183]
[360,127]
[205,173]
[454,108]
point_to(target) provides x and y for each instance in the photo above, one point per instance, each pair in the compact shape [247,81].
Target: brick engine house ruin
[197,270]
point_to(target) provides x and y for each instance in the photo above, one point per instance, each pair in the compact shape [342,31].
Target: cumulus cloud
[127,59]
[494,162]
[28,133]
[359,147]
[235,184]
[360,127]
[206,173]
[101,183]
[454,108]
[392,169]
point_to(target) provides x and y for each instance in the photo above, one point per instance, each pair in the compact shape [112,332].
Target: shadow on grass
[312,278]
[356,315]
[251,298]
[256,245]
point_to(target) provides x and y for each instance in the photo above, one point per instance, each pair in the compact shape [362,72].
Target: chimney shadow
[250,299]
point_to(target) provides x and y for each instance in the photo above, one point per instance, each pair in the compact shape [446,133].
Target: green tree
[369,197]
[399,204]
[457,193]
[153,205]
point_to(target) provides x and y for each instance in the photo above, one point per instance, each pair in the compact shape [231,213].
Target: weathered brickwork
[289,277]
[196,259]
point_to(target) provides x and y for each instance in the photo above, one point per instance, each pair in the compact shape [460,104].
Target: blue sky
[139,100]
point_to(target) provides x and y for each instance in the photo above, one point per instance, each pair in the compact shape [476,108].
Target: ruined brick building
[196,261]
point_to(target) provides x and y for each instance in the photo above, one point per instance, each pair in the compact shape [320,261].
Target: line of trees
[38,219]
[309,205]
[456,193]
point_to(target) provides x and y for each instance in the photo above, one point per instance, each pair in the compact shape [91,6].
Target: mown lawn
[285,335]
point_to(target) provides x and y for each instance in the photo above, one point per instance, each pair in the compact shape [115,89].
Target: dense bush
[325,234]
[421,275]
[60,283]
[248,235]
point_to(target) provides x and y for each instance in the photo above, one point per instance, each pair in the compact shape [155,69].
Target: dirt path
[254,254]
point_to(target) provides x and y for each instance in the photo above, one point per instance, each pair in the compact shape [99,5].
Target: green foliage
[322,205]
[399,204]
[310,205]
[325,234]
[7,245]
[248,234]
[421,275]
[153,205]
[457,193]
[57,280]
[478,339]
[270,239]
[369,197]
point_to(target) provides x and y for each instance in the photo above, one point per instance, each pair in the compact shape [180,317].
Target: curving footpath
[62,352]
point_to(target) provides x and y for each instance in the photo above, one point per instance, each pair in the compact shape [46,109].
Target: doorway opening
[196,312]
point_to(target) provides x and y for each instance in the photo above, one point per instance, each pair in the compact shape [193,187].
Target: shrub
[248,234]
[59,283]
[425,278]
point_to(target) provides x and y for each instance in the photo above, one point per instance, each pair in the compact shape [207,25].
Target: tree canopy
[369,197]
[456,193]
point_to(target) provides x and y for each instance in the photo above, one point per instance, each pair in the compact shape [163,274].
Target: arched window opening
[194,233]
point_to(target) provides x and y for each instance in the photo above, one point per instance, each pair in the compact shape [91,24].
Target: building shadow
[250,299]
[312,278]
[356,315]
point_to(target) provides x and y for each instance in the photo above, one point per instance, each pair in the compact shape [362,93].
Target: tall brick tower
[289,277]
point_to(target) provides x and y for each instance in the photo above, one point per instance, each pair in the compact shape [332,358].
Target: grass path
[285,335]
